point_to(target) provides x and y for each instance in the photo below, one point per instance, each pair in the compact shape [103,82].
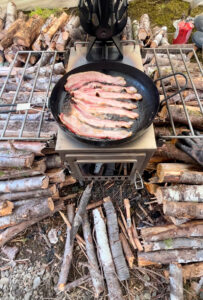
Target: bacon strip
[112,95]
[109,88]
[98,110]
[102,101]
[86,117]
[75,81]
[74,125]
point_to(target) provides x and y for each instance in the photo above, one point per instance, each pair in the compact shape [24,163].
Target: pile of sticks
[18,32]
[30,185]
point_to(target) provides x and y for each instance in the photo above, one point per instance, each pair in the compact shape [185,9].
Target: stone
[36,282]
[52,235]
[146,296]
[28,296]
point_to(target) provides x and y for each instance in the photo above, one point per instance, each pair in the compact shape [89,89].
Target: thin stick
[135,236]
[146,214]
[129,223]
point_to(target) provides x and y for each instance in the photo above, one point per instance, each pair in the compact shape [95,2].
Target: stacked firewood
[30,184]
[20,33]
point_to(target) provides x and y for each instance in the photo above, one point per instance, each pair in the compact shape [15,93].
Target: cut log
[135,236]
[16,159]
[43,71]
[56,175]
[176,281]
[68,252]
[179,173]
[185,210]
[2,19]
[179,116]
[126,248]
[11,14]
[25,184]
[68,181]
[9,233]
[35,147]
[159,233]
[25,36]
[53,161]
[169,256]
[115,244]
[144,29]
[158,37]
[55,27]
[179,243]
[26,212]
[197,81]
[97,279]
[22,16]
[38,99]
[9,34]
[38,168]
[190,271]
[128,223]
[114,289]
[6,208]
[135,30]
[180,193]
[166,131]
[49,192]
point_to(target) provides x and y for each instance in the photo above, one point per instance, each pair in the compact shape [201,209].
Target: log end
[61,287]
[6,208]
[45,182]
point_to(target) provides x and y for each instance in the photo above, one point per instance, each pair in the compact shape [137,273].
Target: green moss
[168,243]
[45,13]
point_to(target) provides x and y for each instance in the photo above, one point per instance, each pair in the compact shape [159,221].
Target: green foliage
[45,13]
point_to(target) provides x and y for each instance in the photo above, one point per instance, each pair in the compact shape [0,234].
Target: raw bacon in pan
[109,88]
[112,95]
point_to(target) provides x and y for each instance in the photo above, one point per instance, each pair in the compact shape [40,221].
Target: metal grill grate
[23,99]
[183,66]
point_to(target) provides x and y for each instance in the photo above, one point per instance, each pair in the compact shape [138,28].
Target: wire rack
[183,66]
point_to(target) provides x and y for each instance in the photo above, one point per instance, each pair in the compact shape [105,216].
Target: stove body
[131,157]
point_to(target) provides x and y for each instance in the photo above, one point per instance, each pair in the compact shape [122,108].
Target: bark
[26,212]
[176,281]
[9,34]
[35,147]
[55,27]
[68,181]
[77,283]
[169,256]
[179,173]
[190,271]
[38,168]
[158,37]
[144,30]
[25,184]
[9,233]
[16,159]
[94,204]
[197,81]
[22,16]
[49,192]
[186,210]
[128,223]
[179,243]
[38,99]
[56,175]
[135,30]
[32,116]
[114,289]
[158,233]
[135,236]
[53,161]
[97,279]
[68,252]
[25,36]
[115,244]
[6,208]
[2,19]
[166,131]
[11,14]
[180,193]
[44,71]
[179,116]
[126,248]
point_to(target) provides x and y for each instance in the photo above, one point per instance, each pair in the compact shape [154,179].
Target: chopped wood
[115,244]
[68,181]
[158,37]
[22,16]
[158,233]
[144,28]
[124,230]
[180,193]
[169,256]
[38,99]
[94,204]
[126,248]
[25,212]
[186,210]
[25,184]
[53,161]
[9,34]
[166,131]
[68,252]
[135,236]
[190,271]
[177,221]
[77,283]
[43,71]
[49,192]
[179,173]
[97,279]
[177,243]
[135,30]
[2,19]
[197,81]
[151,187]
[69,197]
[25,36]
[176,281]
[56,26]
[114,289]
[6,208]
[11,14]
[9,233]
[16,159]
[56,175]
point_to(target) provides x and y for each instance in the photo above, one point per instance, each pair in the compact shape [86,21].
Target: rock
[146,296]
[4,281]
[28,296]
[52,235]
[36,282]
[146,277]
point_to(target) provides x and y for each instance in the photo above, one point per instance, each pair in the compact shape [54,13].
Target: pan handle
[179,91]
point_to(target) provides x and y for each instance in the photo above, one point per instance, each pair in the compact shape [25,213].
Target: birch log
[11,14]
[185,210]
[126,248]
[56,175]
[16,159]
[97,279]
[144,29]
[135,30]
[35,147]
[179,173]
[6,208]
[176,281]
[57,24]
[115,244]
[114,289]
[9,34]
[157,39]
[68,252]
[25,212]
[197,81]
[158,233]
[179,243]
[2,18]
[169,256]
[190,271]
[25,184]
